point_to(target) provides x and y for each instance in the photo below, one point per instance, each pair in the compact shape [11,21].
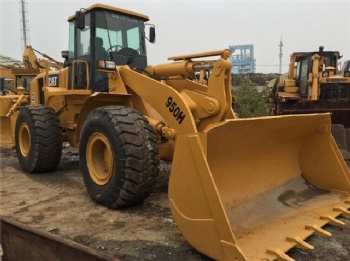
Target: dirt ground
[58,202]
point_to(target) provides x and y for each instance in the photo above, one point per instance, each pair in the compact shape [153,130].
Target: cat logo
[53,80]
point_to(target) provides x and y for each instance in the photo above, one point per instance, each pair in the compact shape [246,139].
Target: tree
[249,102]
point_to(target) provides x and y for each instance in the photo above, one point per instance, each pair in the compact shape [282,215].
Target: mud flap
[251,189]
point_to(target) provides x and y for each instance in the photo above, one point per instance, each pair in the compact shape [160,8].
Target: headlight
[325,74]
[347,74]
[109,65]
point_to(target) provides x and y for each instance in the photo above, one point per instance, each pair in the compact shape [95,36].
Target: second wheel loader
[239,189]
[16,92]
[314,85]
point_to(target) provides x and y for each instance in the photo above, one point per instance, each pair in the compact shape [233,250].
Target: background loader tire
[38,139]
[118,156]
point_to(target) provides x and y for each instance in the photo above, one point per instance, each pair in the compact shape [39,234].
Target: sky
[191,26]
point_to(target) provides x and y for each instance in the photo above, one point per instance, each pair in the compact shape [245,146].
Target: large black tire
[38,139]
[118,156]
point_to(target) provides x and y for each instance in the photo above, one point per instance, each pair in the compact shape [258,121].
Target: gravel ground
[58,202]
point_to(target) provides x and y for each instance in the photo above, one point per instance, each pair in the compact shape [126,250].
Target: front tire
[118,156]
[38,139]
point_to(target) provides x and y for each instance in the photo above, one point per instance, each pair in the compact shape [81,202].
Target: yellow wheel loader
[16,94]
[239,189]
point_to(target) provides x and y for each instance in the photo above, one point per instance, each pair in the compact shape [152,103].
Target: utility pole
[280,56]
[23,12]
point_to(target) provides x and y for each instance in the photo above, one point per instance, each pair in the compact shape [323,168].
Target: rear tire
[118,156]
[38,139]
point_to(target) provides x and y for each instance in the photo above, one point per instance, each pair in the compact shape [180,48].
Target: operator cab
[105,33]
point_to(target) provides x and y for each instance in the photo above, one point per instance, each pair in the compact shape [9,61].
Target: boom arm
[186,106]
[31,61]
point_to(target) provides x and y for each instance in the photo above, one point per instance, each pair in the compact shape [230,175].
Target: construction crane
[24,23]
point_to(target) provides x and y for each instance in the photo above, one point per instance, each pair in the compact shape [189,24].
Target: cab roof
[316,52]
[111,8]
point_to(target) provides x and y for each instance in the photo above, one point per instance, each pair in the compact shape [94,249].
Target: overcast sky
[184,27]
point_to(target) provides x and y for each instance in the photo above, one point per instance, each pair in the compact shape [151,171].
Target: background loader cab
[104,37]
[312,85]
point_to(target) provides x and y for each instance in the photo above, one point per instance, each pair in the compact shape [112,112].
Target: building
[242,58]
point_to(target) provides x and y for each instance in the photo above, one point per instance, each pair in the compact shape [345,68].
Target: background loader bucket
[251,189]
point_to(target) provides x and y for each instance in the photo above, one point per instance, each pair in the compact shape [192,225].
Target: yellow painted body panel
[291,89]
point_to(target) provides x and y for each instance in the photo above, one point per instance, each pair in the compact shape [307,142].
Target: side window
[103,34]
[84,35]
[101,43]
[84,47]
[83,38]
[133,36]
[71,41]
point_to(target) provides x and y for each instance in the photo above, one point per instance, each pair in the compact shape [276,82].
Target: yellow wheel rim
[24,139]
[99,158]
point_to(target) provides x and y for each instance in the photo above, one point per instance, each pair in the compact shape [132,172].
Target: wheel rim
[99,158]
[24,139]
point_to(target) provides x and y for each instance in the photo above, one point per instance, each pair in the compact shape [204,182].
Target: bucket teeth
[333,221]
[319,231]
[300,243]
[344,211]
[280,255]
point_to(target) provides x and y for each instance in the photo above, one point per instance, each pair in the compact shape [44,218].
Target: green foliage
[249,102]
[259,79]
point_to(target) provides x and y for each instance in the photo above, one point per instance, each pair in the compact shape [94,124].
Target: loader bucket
[251,189]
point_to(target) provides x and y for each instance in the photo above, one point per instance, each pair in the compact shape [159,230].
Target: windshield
[119,31]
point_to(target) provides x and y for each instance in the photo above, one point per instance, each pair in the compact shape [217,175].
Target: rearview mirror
[80,20]
[64,54]
[152,33]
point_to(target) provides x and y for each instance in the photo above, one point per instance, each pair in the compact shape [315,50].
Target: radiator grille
[334,91]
